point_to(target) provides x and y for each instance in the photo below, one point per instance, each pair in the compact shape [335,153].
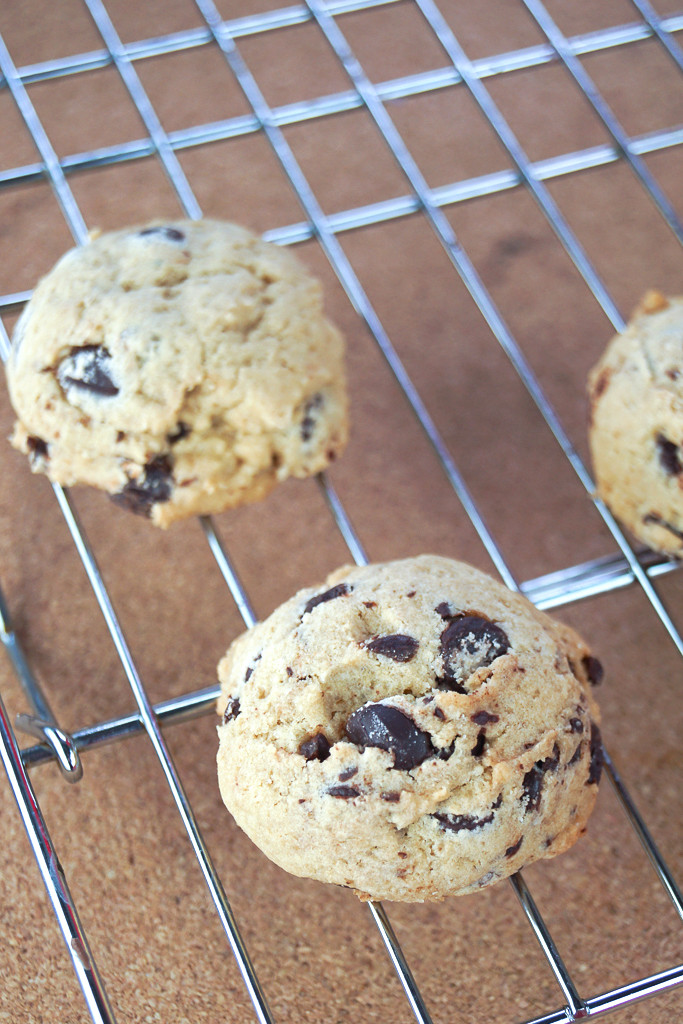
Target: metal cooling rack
[570,584]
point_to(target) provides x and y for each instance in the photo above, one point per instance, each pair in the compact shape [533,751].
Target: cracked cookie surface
[411,730]
[183,367]
[636,424]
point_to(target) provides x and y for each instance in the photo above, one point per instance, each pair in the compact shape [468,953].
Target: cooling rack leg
[53,877]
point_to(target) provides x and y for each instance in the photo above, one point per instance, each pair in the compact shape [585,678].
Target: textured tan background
[145,909]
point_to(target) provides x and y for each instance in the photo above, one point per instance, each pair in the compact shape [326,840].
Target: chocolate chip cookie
[183,367]
[411,730]
[636,424]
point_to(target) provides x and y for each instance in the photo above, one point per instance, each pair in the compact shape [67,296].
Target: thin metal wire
[602,109]
[54,878]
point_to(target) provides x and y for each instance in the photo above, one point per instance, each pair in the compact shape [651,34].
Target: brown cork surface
[144,906]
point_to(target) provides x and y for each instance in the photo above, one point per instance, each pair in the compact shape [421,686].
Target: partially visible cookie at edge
[411,730]
[183,367]
[636,424]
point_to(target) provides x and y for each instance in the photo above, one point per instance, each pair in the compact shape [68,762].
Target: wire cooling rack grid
[601,575]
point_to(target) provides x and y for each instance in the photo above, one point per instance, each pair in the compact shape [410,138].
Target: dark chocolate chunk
[483,717]
[512,850]
[478,748]
[344,792]
[315,748]
[170,234]
[444,610]
[576,756]
[37,448]
[89,369]
[348,773]
[440,714]
[532,783]
[180,431]
[232,710]
[446,683]
[470,642]
[575,725]
[595,770]
[593,669]
[153,487]
[310,417]
[329,595]
[443,753]
[396,646]
[458,822]
[392,796]
[383,726]
[669,455]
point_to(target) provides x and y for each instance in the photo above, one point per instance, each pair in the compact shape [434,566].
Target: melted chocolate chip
[153,487]
[478,748]
[310,417]
[443,753]
[396,646]
[669,455]
[170,234]
[383,726]
[392,796]
[470,642]
[444,610]
[458,822]
[595,770]
[232,710]
[532,783]
[180,431]
[483,717]
[344,792]
[37,448]
[348,773]
[88,369]
[315,748]
[329,595]
[593,669]
[512,850]
[576,756]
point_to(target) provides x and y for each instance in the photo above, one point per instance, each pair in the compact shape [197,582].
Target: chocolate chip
[440,714]
[88,369]
[37,449]
[593,669]
[444,610]
[344,792]
[459,822]
[348,773]
[315,748]
[290,671]
[370,604]
[392,796]
[232,710]
[411,593]
[532,783]
[310,417]
[443,753]
[483,717]
[597,759]
[575,725]
[576,756]
[669,455]
[469,642]
[512,850]
[478,748]
[396,646]
[180,431]
[452,685]
[383,726]
[153,487]
[329,595]
[170,234]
